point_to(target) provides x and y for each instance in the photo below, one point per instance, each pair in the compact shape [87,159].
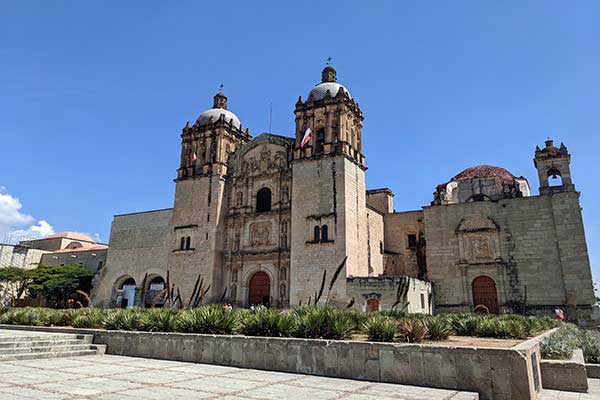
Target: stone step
[45,349]
[39,343]
[35,356]
[26,338]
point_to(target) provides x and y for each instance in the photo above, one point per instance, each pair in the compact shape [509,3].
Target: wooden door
[485,296]
[372,305]
[260,289]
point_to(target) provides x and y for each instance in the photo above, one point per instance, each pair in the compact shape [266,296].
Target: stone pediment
[264,138]
[477,224]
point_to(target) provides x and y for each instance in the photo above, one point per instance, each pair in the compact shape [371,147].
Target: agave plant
[208,320]
[438,328]
[266,322]
[322,322]
[158,320]
[380,328]
[412,331]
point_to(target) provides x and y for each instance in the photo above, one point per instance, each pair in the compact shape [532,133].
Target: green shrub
[25,316]
[438,328]
[464,325]
[321,322]
[380,328]
[561,344]
[3,310]
[128,319]
[265,322]
[158,320]
[590,344]
[210,319]
[88,318]
[411,331]
[395,314]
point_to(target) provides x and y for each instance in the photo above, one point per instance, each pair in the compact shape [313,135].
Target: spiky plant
[411,331]
[266,322]
[380,328]
[212,319]
[438,328]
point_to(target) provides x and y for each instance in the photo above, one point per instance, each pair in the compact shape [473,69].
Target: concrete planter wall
[495,373]
[569,375]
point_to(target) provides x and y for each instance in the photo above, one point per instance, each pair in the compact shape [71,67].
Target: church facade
[263,220]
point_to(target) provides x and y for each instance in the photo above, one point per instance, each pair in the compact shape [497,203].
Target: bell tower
[335,119]
[196,235]
[329,215]
[553,163]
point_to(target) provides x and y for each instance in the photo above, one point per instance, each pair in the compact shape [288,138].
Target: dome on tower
[328,83]
[219,110]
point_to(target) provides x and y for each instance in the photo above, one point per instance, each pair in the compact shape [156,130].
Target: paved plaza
[117,377]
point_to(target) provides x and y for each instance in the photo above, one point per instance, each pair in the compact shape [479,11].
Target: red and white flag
[194,158]
[307,136]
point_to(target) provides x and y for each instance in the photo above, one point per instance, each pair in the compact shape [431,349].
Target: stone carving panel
[260,234]
[478,240]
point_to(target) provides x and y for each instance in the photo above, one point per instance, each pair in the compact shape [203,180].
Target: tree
[13,283]
[58,284]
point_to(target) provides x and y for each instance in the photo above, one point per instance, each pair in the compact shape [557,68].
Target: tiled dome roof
[485,171]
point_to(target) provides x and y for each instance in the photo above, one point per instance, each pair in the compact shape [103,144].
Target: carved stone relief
[260,234]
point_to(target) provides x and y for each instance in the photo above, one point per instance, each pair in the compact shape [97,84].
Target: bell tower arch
[553,163]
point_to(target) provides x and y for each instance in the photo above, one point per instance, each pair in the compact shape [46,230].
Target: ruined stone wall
[19,256]
[138,245]
[532,247]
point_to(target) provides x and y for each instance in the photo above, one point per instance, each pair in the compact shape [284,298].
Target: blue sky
[94,94]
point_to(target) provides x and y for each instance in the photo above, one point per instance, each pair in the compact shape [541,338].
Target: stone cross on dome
[220,100]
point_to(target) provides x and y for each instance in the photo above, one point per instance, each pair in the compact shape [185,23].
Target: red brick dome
[485,171]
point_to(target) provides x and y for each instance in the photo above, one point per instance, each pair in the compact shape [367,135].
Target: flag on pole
[307,136]
[194,158]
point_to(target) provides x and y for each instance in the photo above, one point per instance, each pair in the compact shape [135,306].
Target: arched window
[317,234]
[188,242]
[182,244]
[263,200]
[554,177]
[324,233]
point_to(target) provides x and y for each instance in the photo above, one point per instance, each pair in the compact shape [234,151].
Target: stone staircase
[20,345]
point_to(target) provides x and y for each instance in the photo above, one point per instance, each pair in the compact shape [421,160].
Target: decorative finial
[328,60]
[221,87]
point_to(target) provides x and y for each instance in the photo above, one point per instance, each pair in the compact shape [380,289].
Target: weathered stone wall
[532,247]
[198,213]
[417,296]
[327,190]
[402,258]
[381,200]
[19,256]
[568,375]
[92,260]
[137,246]
[375,243]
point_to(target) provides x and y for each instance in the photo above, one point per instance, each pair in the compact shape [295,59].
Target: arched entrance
[259,289]
[126,292]
[485,296]
[372,305]
[153,292]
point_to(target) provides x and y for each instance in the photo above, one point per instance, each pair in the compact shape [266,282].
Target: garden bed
[495,373]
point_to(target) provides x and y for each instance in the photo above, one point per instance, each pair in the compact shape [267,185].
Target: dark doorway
[260,289]
[485,296]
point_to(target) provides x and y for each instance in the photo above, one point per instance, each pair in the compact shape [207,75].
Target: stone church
[262,220]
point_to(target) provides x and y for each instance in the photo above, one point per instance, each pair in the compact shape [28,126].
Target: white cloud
[15,225]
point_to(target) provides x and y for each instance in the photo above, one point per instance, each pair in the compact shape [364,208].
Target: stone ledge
[495,373]
[592,370]
[567,375]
